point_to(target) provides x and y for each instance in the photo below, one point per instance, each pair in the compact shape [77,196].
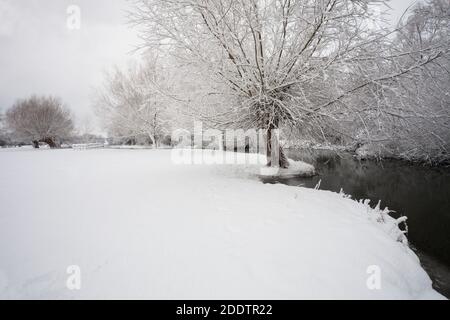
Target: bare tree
[40,119]
[287,63]
[132,104]
[4,137]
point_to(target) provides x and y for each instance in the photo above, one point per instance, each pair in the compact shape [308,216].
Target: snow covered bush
[390,225]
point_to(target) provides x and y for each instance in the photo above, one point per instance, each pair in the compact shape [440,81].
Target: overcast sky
[40,54]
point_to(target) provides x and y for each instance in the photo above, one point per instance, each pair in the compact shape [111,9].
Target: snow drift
[140,227]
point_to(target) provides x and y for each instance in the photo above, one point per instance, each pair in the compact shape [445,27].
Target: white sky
[39,54]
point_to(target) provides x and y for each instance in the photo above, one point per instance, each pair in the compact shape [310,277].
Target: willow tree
[40,119]
[285,62]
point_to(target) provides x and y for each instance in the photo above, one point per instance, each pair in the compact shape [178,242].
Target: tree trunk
[273,159]
[36,144]
[51,143]
[154,141]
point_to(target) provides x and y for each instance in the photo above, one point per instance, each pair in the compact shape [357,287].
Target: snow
[249,164]
[140,226]
[296,168]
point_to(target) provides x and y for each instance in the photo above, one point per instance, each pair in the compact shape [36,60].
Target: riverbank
[419,192]
[140,227]
[371,153]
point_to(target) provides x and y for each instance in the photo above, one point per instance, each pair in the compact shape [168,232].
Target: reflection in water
[420,193]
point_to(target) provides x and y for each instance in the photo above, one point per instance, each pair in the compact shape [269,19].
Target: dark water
[420,193]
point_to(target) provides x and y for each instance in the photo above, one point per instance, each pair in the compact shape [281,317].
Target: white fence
[86,146]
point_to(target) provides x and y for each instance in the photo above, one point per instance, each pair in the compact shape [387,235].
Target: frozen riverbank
[139,226]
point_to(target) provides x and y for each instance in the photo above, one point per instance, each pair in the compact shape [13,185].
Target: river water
[418,192]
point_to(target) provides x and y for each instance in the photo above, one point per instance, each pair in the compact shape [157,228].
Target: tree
[421,106]
[40,119]
[406,115]
[4,137]
[287,63]
[131,103]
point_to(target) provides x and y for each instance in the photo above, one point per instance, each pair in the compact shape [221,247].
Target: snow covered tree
[4,138]
[40,119]
[420,108]
[132,103]
[403,111]
[286,63]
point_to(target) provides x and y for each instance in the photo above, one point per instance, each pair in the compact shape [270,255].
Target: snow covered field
[139,226]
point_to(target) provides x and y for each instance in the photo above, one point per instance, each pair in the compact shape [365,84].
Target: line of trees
[328,71]
[133,104]
[325,69]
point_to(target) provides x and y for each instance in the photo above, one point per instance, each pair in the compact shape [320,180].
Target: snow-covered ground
[139,226]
